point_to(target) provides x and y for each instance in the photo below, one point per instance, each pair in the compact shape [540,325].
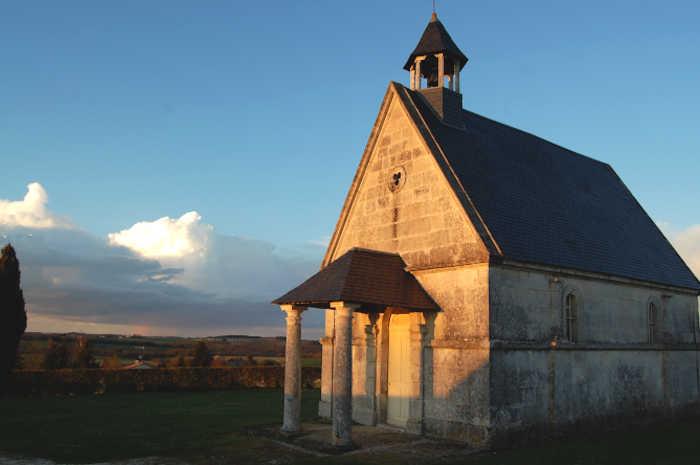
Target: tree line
[62,354]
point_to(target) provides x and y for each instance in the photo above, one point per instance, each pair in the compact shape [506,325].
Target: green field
[211,427]
[120,426]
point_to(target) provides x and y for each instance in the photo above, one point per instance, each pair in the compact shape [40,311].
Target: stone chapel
[482,281]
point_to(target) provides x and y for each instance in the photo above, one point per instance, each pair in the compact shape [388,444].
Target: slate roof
[547,205]
[362,276]
[436,39]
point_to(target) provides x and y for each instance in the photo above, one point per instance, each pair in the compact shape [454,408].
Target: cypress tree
[13,316]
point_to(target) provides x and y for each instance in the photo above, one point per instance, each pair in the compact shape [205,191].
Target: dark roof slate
[436,39]
[547,205]
[362,276]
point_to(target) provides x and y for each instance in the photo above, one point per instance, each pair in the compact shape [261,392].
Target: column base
[324,409]
[364,415]
[289,432]
[414,426]
[344,447]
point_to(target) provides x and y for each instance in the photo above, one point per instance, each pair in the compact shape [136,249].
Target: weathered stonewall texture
[612,371]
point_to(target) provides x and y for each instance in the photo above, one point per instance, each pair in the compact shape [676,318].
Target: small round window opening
[397,179]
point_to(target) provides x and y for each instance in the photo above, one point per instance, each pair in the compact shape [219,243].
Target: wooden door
[399,382]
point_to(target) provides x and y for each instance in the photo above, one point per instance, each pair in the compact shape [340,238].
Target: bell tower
[434,68]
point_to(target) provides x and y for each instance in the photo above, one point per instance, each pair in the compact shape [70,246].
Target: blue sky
[255,114]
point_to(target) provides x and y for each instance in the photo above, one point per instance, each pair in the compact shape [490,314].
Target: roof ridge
[527,133]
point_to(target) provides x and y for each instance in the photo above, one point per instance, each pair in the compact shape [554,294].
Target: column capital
[290,309]
[341,305]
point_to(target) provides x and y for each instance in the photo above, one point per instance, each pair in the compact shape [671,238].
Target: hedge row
[98,381]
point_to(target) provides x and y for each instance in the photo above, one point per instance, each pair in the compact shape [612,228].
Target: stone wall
[421,218]
[611,372]
[457,353]
[527,305]
[423,221]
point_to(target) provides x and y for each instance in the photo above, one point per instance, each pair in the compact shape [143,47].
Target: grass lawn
[209,428]
[120,426]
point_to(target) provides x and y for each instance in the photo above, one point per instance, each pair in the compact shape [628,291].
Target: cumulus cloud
[165,237]
[226,266]
[31,211]
[166,276]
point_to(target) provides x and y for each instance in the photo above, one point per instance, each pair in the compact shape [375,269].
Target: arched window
[571,314]
[652,316]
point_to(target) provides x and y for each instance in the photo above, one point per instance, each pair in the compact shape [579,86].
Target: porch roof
[368,277]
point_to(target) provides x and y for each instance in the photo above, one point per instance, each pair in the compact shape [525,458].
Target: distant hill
[163,348]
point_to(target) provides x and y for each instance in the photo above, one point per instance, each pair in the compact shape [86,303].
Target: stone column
[342,375]
[324,405]
[456,77]
[292,370]
[441,69]
[371,370]
[418,78]
[382,376]
[415,403]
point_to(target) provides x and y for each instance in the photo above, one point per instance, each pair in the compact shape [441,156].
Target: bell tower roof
[436,39]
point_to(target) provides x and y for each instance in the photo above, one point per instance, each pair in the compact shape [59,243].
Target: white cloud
[225,266]
[167,276]
[687,243]
[165,237]
[31,211]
